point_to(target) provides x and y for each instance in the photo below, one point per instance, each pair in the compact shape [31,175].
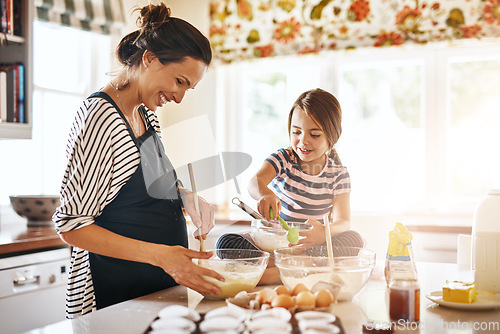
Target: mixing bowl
[241,268]
[352,267]
[38,209]
[270,236]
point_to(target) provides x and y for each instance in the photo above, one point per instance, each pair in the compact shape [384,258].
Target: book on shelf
[3,96]
[11,17]
[12,93]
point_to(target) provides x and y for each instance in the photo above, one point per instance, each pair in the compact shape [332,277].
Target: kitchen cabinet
[16,48]
[34,265]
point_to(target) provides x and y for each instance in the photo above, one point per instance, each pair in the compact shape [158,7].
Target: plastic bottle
[399,262]
[486,242]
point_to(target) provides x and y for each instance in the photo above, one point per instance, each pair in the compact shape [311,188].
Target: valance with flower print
[243,29]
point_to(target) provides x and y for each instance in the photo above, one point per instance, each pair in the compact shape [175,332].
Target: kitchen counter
[135,316]
[18,238]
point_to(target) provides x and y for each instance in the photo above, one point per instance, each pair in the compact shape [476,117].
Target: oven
[33,289]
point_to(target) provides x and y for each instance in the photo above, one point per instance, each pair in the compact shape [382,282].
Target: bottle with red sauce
[404,300]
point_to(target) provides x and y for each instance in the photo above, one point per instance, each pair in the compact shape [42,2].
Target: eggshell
[323,298]
[282,290]
[175,311]
[305,299]
[174,324]
[299,288]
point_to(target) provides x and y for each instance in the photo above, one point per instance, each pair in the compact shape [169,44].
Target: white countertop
[135,316]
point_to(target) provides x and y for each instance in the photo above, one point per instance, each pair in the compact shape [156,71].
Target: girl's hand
[266,202]
[206,222]
[314,236]
[177,262]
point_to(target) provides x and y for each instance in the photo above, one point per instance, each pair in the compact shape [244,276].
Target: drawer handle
[26,280]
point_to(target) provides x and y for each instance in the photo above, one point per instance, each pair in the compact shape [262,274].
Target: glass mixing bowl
[242,269]
[352,267]
[270,235]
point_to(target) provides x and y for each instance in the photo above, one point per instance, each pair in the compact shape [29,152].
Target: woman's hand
[206,222]
[269,201]
[177,262]
[314,236]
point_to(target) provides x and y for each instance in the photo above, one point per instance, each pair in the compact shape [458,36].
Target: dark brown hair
[325,110]
[170,39]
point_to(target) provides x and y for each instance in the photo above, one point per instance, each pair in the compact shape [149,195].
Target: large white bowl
[352,267]
[241,268]
[270,235]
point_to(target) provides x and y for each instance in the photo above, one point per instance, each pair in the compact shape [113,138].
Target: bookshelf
[17,48]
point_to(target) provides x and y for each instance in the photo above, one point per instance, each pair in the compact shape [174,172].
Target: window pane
[383,141]
[268,92]
[62,57]
[473,161]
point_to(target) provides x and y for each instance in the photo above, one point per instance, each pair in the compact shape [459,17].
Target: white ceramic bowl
[270,235]
[352,267]
[38,209]
[241,268]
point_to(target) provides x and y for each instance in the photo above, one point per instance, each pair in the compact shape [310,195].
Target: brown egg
[299,288]
[283,300]
[282,290]
[265,296]
[305,299]
[324,298]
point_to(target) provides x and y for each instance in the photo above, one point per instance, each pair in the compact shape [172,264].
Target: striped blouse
[101,158]
[305,196]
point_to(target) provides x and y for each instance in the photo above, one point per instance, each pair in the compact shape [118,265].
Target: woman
[121,205]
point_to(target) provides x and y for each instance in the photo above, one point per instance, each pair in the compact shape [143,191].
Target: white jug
[486,242]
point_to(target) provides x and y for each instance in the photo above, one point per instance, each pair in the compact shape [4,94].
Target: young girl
[306,181]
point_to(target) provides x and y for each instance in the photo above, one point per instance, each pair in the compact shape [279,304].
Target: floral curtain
[243,29]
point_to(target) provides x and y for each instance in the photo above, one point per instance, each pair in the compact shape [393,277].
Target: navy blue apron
[136,214]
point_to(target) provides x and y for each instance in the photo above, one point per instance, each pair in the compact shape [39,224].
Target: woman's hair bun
[170,39]
[152,16]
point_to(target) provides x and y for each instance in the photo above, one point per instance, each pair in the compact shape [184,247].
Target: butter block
[459,292]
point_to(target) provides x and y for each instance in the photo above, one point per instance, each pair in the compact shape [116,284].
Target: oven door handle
[26,280]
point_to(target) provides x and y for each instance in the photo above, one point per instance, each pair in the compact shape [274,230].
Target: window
[419,123]
[68,65]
